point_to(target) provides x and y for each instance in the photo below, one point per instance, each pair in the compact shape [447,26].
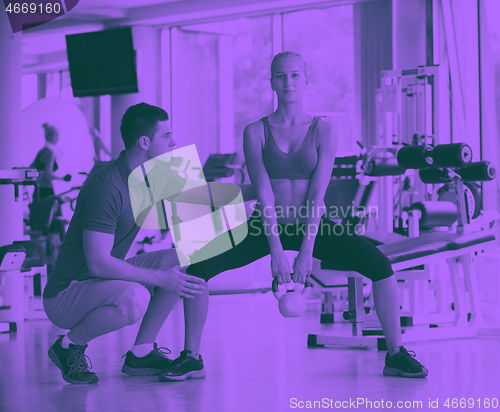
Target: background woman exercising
[290,157]
[45,161]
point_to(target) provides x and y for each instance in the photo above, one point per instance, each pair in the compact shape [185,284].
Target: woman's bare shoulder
[254,131]
[326,130]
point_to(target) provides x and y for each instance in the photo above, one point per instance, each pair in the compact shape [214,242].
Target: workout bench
[457,249]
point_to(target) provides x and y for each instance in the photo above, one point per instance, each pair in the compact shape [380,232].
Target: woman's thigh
[342,247]
[220,255]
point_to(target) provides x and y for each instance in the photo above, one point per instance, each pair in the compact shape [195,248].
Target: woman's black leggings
[335,244]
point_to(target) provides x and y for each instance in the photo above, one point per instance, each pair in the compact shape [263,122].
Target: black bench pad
[428,244]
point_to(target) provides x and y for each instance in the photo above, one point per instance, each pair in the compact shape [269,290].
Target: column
[11,212]
[147,46]
[373,51]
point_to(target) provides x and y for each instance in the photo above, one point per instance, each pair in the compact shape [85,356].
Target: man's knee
[134,303]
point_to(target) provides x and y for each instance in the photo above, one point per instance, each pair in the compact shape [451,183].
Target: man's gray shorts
[70,306]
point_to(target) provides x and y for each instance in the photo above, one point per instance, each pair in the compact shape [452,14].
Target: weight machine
[408,104]
[23,272]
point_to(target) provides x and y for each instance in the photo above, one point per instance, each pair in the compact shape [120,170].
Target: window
[492,8]
[211,98]
[253,97]
[325,39]
[244,47]
[29,90]
[195,111]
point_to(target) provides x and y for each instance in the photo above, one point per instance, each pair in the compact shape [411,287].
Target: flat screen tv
[102,62]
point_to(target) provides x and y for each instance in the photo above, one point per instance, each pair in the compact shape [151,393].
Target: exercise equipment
[443,155]
[34,271]
[291,303]
[427,250]
[23,281]
[219,166]
[458,250]
[415,157]
[432,214]
[407,119]
[63,196]
[477,172]
[345,167]
[472,192]
[412,112]
[473,172]
[408,122]
[350,189]
[148,240]
[384,167]
[11,287]
[46,224]
[434,175]
[451,155]
[21,176]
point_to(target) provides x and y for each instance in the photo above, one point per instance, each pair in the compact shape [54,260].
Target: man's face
[162,142]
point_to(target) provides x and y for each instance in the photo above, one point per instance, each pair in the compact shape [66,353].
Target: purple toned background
[207,63]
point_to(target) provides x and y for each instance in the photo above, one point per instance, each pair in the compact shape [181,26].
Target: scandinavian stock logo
[170,191]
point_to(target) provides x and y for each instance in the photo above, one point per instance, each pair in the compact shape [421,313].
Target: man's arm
[97,247]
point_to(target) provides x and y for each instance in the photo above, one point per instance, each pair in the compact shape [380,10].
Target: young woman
[290,157]
[45,162]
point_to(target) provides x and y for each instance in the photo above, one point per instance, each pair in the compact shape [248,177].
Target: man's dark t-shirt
[103,205]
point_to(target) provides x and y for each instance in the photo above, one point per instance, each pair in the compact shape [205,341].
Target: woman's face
[289,79]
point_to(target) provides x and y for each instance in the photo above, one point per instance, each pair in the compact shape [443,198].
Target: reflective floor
[256,361]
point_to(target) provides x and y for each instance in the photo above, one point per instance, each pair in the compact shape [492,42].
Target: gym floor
[256,360]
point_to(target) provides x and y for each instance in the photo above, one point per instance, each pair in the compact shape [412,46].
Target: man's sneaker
[184,367]
[72,362]
[151,364]
[404,364]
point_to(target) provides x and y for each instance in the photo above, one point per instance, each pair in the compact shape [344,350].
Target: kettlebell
[292,304]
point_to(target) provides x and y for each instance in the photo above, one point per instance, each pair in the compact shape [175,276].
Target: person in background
[45,161]
[98,144]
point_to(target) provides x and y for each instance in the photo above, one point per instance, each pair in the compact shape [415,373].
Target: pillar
[11,212]
[372,53]
[409,25]
[147,46]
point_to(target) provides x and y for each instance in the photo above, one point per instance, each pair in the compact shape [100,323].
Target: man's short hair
[140,120]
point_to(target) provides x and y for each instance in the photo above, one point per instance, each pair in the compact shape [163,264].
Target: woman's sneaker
[151,364]
[404,364]
[72,362]
[184,367]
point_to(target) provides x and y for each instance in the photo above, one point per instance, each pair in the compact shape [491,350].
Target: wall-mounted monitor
[102,62]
